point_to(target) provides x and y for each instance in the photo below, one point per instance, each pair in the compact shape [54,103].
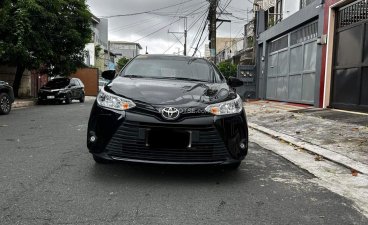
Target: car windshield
[58,83]
[179,68]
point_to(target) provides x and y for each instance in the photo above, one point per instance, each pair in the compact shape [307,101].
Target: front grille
[156,114]
[129,142]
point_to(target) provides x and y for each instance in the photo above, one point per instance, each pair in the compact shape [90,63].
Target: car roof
[166,56]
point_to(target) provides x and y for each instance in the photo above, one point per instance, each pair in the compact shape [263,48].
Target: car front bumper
[51,96]
[123,136]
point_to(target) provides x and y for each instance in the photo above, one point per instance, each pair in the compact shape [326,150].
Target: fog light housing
[242,146]
[93,139]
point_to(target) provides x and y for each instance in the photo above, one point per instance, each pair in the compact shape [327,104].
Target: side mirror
[109,74]
[234,82]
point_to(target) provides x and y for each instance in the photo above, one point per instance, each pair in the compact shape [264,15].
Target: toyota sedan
[168,110]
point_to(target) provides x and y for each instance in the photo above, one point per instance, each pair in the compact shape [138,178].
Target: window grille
[352,13]
[304,3]
[279,44]
[303,34]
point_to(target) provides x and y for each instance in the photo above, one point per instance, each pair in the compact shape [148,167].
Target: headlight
[111,101]
[225,108]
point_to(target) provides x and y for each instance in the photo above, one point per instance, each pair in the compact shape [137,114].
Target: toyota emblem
[170,113]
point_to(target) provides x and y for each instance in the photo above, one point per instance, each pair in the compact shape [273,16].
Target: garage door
[350,74]
[292,66]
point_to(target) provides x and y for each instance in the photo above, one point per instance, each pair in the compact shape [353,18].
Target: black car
[168,110]
[6,98]
[62,89]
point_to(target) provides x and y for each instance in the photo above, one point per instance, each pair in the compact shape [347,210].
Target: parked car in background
[61,90]
[102,83]
[169,110]
[6,98]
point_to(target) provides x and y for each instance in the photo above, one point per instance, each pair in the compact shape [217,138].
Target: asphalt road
[48,177]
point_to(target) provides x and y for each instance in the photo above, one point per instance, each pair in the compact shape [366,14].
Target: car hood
[170,92]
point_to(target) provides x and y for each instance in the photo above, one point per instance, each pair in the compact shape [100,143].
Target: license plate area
[168,138]
[50,97]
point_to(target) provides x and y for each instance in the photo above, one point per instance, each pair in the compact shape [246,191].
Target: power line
[157,30]
[162,27]
[199,28]
[145,12]
[204,28]
[190,27]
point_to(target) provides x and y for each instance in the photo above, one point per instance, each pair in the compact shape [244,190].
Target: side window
[80,83]
[77,82]
[73,82]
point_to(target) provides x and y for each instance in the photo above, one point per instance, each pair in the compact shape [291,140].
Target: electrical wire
[190,27]
[145,12]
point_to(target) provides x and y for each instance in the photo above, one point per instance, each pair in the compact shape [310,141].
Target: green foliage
[121,63]
[250,42]
[98,50]
[227,69]
[44,34]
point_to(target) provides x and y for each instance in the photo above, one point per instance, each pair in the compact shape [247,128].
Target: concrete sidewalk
[22,103]
[338,136]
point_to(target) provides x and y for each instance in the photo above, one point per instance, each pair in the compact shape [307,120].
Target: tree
[121,63]
[37,34]
[227,69]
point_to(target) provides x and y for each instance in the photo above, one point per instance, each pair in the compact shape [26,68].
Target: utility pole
[185,34]
[212,28]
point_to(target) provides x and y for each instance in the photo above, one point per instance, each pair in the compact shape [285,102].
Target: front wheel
[5,104]
[68,99]
[82,98]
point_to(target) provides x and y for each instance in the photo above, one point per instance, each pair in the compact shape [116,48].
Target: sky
[151,29]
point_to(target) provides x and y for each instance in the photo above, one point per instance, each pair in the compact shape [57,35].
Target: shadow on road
[122,172]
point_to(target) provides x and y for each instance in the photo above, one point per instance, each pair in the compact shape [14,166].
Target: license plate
[50,97]
[166,138]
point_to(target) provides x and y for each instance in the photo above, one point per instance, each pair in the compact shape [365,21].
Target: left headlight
[226,108]
[111,101]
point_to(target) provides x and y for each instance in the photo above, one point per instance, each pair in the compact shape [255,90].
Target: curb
[314,149]
[22,104]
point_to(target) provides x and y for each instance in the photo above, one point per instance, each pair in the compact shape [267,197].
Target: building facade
[345,69]
[125,49]
[289,50]
[95,50]
[315,55]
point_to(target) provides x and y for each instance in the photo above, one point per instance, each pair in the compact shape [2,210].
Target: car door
[74,88]
[80,88]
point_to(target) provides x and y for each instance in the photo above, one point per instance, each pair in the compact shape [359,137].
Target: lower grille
[129,142]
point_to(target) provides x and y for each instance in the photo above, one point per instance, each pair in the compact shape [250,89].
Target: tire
[5,104]
[41,102]
[100,160]
[68,99]
[81,100]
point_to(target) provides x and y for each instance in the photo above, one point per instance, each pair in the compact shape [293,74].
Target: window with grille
[279,44]
[303,34]
[352,13]
[304,3]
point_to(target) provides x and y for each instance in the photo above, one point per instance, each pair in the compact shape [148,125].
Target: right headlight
[112,101]
[226,108]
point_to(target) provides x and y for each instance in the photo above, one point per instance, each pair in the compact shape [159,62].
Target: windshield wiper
[181,78]
[133,76]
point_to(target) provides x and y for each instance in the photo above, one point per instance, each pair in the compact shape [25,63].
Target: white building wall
[290,7]
[90,48]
